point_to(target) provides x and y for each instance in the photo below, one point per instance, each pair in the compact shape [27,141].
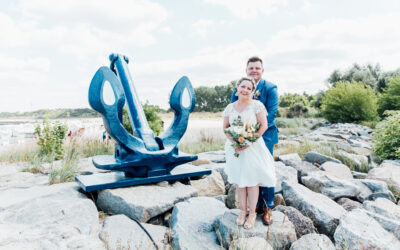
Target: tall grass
[206,142]
[20,153]
[306,146]
[35,166]
[69,165]
[92,147]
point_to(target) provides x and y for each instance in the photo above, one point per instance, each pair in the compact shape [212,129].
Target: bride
[254,166]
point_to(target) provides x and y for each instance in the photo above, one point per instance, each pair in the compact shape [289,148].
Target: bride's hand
[241,149]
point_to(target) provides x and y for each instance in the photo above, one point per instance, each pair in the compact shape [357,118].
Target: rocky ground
[320,204]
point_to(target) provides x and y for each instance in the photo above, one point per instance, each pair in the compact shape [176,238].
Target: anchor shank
[136,114]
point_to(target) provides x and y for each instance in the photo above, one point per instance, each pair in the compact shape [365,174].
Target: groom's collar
[257,84]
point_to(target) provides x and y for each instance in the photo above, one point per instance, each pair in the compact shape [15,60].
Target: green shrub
[350,102]
[51,138]
[297,110]
[387,137]
[152,118]
[370,124]
[390,99]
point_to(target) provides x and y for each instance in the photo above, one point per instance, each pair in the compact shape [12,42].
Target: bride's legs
[242,197]
[252,193]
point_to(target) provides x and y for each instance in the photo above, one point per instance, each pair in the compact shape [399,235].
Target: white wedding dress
[255,165]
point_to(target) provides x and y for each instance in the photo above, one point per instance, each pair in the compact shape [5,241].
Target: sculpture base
[118,179]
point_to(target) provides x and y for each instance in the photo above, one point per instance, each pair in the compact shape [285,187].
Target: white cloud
[208,67]
[165,30]
[202,27]
[250,8]
[37,34]
[297,59]
[84,26]
[301,58]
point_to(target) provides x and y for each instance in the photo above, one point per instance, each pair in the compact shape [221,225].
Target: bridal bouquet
[243,134]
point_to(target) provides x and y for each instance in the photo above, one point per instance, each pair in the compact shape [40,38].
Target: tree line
[381,87]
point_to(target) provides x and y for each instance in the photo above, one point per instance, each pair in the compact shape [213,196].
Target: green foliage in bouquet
[51,138]
[242,134]
[350,102]
[387,137]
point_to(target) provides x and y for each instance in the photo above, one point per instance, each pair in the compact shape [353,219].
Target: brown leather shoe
[259,209]
[267,217]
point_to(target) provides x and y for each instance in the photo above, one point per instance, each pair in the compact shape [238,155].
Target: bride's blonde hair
[253,83]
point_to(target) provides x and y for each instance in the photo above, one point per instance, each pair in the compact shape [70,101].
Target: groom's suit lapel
[258,90]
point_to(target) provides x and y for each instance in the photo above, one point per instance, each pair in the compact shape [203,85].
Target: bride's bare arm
[262,120]
[225,125]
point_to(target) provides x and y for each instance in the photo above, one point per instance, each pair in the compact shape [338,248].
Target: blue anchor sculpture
[139,157]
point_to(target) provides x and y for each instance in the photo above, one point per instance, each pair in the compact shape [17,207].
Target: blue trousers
[266,196]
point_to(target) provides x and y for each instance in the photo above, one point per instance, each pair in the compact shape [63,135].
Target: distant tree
[384,79]
[350,102]
[390,98]
[289,100]
[213,99]
[316,102]
[368,74]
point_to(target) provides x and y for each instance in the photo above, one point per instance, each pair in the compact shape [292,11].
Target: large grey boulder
[14,196]
[358,175]
[280,235]
[357,230]
[338,170]
[361,151]
[254,243]
[302,224]
[211,185]
[349,204]
[358,161]
[372,189]
[323,211]
[143,202]
[120,232]
[387,173]
[386,213]
[358,142]
[290,159]
[329,185]
[304,168]
[59,218]
[220,168]
[213,156]
[284,173]
[386,163]
[314,157]
[192,223]
[231,199]
[22,180]
[313,241]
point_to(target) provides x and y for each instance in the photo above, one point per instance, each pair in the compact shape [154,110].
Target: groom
[266,92]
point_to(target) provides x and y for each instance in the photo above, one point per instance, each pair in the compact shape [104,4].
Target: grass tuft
[69,166]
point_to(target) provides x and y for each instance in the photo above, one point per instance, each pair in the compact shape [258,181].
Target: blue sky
[50,50]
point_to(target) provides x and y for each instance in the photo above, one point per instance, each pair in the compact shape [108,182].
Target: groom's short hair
[254,59]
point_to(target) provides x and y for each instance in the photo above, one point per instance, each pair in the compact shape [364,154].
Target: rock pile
[322,202]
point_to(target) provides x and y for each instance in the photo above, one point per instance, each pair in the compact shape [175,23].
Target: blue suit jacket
[269,97]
